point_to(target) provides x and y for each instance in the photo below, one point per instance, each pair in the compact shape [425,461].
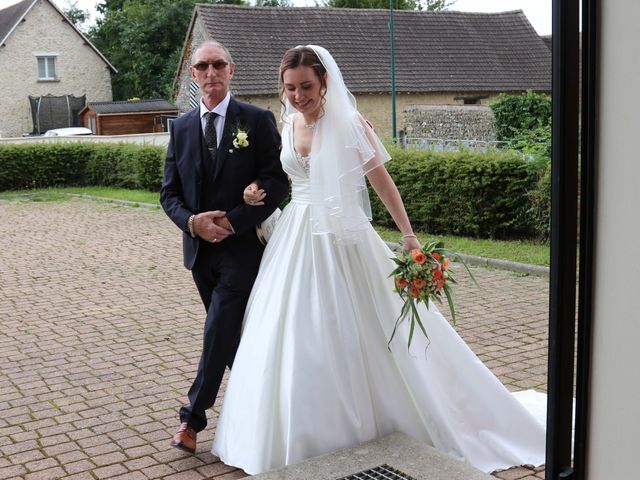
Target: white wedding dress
[313,372]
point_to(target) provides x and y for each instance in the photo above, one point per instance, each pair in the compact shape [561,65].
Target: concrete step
[402,453]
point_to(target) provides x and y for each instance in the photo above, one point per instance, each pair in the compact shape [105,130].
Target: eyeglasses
[217,65]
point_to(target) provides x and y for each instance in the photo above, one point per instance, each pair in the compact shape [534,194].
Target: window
[471,100]
[47,68]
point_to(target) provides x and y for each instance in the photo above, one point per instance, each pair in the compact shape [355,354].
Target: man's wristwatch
[190,226]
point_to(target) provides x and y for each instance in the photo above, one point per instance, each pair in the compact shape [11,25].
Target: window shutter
[193,94]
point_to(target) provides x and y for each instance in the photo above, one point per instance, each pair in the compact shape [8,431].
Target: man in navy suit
[215,151]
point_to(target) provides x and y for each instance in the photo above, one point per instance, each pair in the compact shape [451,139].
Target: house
[44,56]
[126,117]
[440,57]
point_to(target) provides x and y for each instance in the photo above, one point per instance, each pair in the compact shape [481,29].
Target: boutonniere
[240,140]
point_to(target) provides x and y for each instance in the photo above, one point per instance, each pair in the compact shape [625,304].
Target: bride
[313,372]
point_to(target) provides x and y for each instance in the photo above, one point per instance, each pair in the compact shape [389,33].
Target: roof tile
[130,106]
[434,51]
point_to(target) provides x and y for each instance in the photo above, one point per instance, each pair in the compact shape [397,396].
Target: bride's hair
[302,57]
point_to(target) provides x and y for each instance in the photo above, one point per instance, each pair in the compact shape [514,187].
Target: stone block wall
[459,122]
[80,70]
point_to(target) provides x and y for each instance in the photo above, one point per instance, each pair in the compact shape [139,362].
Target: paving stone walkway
[100,327]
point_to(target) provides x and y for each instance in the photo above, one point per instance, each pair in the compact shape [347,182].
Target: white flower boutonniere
[241,139]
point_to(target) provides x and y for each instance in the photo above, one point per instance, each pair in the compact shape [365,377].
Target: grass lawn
[522,251]
[516,250]
[52,194]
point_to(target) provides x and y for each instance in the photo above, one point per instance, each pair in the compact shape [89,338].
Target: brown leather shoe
[185,438]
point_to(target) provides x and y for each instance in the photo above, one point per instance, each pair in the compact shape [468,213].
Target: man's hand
[212,226]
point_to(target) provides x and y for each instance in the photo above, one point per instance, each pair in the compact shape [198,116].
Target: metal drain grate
[383,472]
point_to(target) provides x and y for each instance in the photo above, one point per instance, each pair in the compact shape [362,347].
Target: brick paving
[100,327]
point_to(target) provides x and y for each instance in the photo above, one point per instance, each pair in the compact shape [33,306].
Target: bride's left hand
[410,243]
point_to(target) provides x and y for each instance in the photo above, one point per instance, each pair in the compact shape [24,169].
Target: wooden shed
[128,116]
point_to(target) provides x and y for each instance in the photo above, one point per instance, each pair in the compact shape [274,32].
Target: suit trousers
[224,285]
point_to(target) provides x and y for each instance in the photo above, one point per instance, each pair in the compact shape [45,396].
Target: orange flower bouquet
[421,275]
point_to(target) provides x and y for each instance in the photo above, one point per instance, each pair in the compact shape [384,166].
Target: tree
[109,6]
[398,4]
[437,5]
[273,3]
[428,5]
[76,15]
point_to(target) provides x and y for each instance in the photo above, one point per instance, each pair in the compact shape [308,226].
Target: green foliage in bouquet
[423,275]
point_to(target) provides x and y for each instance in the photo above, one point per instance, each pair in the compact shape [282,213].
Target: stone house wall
[80,70]
[374,107]
[183,93]
[410,108]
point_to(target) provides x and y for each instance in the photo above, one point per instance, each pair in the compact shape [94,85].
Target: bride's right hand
[253,195]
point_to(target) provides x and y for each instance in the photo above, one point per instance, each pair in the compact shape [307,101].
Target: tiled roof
[434,51]
[131,106]
[10,16]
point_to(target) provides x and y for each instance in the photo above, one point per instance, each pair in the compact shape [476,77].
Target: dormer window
[47,67]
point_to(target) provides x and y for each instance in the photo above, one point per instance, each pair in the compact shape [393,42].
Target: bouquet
[422,275]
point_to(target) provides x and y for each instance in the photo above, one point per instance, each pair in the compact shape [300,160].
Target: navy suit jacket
[184,177]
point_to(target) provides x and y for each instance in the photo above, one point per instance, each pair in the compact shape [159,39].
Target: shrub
[463,193]
[494,195]
[515,115]
[83,163]
[540,198]
[32,166]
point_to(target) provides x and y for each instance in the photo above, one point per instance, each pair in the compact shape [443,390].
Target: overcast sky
[537,11]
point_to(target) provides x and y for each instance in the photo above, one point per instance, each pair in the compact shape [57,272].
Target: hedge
[482,195]
[80,164]
[540,198]
[486,195]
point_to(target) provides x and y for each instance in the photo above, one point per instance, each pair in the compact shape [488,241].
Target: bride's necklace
[310,125]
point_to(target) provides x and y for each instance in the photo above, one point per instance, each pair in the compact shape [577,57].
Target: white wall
[615,398]
[161,139]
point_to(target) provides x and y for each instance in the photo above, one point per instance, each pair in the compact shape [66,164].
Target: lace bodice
[297,166]
[304,161]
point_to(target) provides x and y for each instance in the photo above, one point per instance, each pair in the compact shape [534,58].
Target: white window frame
[49,62]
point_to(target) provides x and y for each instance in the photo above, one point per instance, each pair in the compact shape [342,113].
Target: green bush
[462,193]
[79,164]
[32,166]
[540,198]
[486,195]
[515,115]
